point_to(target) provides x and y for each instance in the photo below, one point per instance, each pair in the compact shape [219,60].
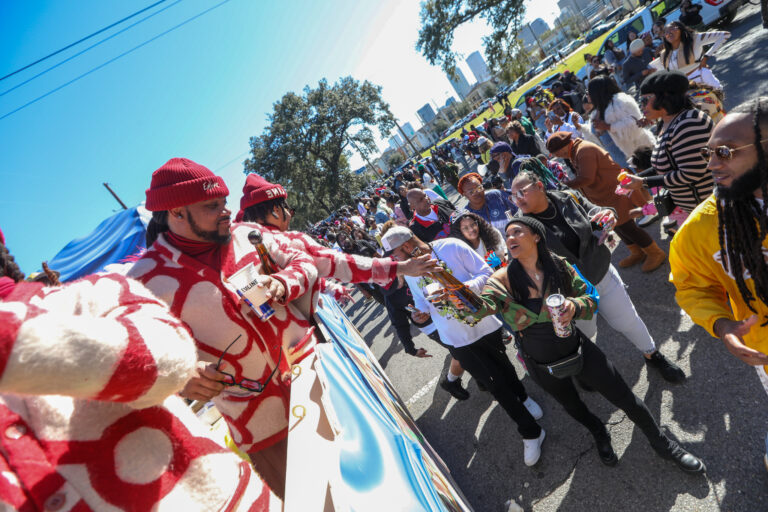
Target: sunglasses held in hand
[246,384]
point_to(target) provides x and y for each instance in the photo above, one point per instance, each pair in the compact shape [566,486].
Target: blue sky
[200,92]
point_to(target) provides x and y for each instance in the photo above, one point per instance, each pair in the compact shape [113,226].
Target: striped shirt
[686,176]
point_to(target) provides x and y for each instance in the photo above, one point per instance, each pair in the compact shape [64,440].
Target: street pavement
[720,413]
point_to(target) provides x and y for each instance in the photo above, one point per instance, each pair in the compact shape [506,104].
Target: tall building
[460,84]
[450,101]
[477,64]
[529,32]
[408,129]
[426,113]
[395,141]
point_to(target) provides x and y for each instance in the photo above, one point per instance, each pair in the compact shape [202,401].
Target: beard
[210,236]
[744,186]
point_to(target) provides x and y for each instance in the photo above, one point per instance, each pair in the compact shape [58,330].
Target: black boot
[604,448]
[455,389]
[686,461]
[669,370]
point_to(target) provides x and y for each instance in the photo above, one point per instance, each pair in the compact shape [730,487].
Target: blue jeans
[611,148]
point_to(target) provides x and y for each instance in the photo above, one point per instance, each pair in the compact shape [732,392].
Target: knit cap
[181,182]
[535,224]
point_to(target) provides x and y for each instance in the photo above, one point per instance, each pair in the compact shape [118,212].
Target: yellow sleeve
[699,292]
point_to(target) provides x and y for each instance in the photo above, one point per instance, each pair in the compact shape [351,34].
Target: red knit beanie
[257,190]
[181,182]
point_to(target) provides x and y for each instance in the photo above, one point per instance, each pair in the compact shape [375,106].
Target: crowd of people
[527,262]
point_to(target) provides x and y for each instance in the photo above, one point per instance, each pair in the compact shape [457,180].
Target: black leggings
[630,233]
[486,360]
[599,373]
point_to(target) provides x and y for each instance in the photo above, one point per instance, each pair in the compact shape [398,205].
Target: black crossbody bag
[563,368]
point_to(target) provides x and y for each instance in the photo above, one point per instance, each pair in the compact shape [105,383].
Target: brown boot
[636,255]
[655,257]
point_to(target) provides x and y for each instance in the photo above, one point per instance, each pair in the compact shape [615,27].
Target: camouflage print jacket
[496,299]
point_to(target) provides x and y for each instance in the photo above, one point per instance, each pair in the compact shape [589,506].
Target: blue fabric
[114,240]
[591,290]
[496,206]
[383,456]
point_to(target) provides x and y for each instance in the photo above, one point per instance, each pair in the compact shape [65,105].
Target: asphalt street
[720,413]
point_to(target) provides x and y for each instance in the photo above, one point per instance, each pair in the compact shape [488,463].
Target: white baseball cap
[395,237]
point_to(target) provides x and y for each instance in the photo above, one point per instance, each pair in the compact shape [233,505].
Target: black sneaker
[669,370]
[455,389]
[604,449]
[684,459]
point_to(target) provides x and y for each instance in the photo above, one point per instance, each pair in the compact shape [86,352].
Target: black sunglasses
[246,384]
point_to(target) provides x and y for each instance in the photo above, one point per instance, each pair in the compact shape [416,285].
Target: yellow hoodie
[704,289]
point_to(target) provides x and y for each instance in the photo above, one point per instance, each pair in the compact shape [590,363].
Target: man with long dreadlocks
[718,257]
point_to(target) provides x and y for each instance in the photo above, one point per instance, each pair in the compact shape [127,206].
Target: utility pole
[106,185]
[406,137]
[364,155]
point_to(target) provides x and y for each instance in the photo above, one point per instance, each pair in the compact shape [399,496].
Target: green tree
[440,19]
[441,124]
[395,159]
[307,145]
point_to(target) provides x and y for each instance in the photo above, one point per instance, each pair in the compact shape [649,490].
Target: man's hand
[418,266]
[419,316]
[421,353]
[274,288]
[731,332]
[206,385]
[601,125]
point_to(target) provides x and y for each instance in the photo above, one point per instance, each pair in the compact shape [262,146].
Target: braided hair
[8,266]
[743,223]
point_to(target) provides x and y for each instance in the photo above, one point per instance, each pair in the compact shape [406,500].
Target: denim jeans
[617,309]
[616,154]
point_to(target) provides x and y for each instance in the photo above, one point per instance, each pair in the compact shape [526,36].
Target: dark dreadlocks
[8,266]
[743,223]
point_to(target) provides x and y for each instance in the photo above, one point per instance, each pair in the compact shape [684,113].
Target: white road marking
[423,391]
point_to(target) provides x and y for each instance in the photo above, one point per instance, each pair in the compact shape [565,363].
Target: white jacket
[89,419]
[622,114]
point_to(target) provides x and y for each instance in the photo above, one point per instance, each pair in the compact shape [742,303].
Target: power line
[112,60]
[80,40]
[87,49]
[241,155]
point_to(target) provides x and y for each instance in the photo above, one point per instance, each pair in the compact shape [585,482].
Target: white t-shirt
[427,180]
[432,216]
[470,269]
[431,194]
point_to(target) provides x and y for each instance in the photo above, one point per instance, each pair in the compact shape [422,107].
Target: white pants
[617,309]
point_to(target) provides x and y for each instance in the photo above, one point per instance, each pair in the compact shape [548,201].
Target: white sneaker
[648,220]
[532,449]
[533,408]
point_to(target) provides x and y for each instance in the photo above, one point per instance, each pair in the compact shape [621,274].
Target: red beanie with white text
[257,190]
[181,182]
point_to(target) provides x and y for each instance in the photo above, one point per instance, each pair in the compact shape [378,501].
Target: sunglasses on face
[520,194]
[723,152]
[246,384]
[644,100]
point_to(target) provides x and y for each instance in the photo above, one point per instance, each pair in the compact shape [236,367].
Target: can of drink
[556,305]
